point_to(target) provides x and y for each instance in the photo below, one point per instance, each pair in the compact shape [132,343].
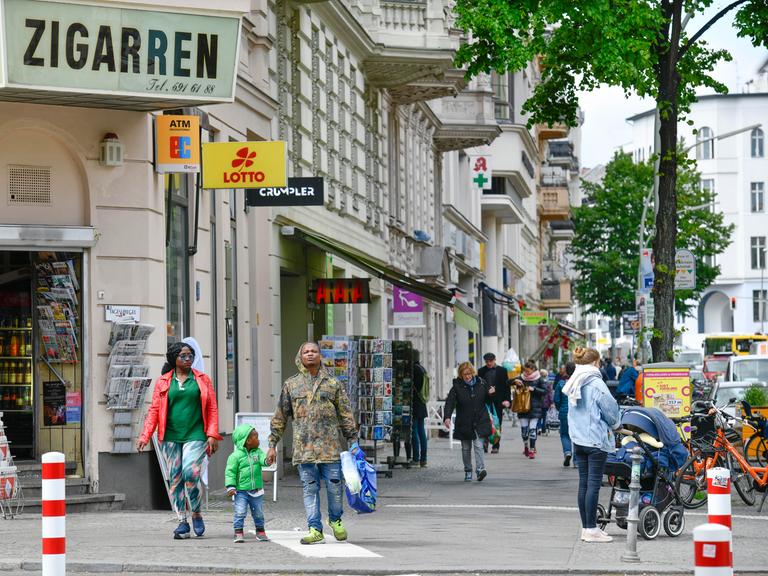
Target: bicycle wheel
[742,481]
[691,485]
[756,451]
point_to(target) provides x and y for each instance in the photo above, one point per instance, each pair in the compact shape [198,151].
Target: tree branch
[707,26]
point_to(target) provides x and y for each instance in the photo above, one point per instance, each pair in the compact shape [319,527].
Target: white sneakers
[595,535]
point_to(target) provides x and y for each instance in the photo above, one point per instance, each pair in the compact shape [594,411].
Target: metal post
[761,307]
[630,554]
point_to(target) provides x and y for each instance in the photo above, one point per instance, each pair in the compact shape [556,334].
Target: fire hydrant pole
[633,516]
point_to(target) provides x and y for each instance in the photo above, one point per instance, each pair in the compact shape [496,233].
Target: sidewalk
[521,520]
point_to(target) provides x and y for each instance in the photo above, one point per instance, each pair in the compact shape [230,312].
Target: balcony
[560,153]
[503,202]
[561,230]
[466,121]
[556,294]
[403,43]
[553,131]
[554,203]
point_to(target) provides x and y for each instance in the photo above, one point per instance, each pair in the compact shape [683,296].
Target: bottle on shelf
[13,348]
[6,398]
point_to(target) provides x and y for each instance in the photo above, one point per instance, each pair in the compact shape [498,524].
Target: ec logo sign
[181,147]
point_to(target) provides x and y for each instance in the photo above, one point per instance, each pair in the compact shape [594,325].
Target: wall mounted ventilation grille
[29,186]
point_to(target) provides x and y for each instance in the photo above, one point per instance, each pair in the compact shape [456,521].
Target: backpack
[424,392]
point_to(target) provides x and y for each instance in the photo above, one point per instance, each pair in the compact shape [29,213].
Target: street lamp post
[651,194]
[761,307]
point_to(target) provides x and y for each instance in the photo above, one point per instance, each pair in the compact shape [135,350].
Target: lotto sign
[177,145]
[480,172]
[244,165]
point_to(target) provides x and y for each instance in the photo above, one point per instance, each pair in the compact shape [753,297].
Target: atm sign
[340,291]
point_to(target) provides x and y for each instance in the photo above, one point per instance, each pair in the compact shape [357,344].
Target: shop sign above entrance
[299,192]
[340,291]
[113,313]
[244,164]
[117,53]
[177,144]
[533,317]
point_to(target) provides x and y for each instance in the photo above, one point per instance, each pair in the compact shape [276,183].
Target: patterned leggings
[184,461]
[528,431]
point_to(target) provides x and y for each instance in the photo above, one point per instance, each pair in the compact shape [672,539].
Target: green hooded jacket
[244,466]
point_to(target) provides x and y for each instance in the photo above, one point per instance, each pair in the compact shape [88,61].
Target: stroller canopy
[654,422]
[638,420]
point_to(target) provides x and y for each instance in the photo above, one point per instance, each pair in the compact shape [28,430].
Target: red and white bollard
[54,507]
[719,496]
[712,550]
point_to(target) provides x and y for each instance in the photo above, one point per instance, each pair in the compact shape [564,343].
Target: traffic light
[733,302]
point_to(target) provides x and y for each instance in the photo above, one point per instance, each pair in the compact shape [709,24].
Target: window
[176,256]
[757,146]
[757,197]
[758,305]
[757,246]
[705,144]
[500,85]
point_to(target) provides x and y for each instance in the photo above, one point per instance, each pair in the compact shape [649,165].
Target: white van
[749,368]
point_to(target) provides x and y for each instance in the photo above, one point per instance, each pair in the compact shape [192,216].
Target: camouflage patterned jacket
[318,413]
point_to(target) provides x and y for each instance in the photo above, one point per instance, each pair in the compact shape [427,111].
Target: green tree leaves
[605,248]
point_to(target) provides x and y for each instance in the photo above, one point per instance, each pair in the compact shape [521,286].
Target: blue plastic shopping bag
[364,499]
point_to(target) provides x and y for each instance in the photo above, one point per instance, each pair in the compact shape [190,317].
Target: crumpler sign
[243,164]
[299,192]
[116,51]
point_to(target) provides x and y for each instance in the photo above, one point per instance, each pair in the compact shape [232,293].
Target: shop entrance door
[41,376]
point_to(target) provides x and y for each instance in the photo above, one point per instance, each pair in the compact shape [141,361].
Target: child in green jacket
[244,482]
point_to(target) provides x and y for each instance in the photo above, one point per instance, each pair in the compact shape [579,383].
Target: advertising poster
[668,389]
[74,406]
[646,269]
[534,317]
[54,403]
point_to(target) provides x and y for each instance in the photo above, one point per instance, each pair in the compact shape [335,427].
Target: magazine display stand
[11,496]
[127,379]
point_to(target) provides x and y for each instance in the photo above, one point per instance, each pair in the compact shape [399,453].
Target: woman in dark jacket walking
[468,396]
[532,380]
[561,402]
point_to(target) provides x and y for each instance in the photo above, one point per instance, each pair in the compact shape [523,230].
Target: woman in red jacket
[186,417]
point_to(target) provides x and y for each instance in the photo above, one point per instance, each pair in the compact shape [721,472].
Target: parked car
[751,368]
[723,392]
[693,358]
[716,365]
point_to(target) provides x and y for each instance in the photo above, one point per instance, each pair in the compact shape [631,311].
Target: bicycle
[717,448]
[758,442]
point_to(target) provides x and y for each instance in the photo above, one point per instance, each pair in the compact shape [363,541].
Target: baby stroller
[664,453]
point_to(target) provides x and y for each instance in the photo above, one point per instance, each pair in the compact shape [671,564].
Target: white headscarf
[198,363]
[572,388]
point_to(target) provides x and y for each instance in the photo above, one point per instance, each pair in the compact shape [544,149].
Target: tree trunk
[665,240]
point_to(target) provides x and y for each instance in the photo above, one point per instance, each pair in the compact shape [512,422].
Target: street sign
[644,306]
[685,270]
[646,269]
[630,322]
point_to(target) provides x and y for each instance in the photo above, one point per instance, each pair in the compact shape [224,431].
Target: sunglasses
[187,356]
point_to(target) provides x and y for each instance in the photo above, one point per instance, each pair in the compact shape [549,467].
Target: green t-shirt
[185,411]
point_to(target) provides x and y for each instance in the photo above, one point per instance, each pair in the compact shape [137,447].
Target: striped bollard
[54,505]
[712,550]
[719,496]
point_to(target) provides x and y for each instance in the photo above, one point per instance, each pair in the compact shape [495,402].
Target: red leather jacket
[157,415]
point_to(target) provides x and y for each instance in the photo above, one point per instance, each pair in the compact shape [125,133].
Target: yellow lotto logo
[244,165]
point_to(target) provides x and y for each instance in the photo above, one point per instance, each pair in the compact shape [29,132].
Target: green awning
[433,293]
[465,317]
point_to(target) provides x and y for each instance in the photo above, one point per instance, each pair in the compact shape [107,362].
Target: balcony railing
[556,294]
[404,16]
[554,204]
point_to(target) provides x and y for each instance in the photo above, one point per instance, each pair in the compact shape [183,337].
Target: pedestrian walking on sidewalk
[561,403]
[593,414]
[532,381]
[420,392]
[186,417]
[468,397]
[499,390]
[243,480]
[319,408]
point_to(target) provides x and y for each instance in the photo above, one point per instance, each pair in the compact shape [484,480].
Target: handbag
[494,424]
[521,403]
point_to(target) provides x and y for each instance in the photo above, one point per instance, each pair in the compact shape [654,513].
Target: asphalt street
[521,519]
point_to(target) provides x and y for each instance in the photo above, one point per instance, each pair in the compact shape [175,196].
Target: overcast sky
[605,110]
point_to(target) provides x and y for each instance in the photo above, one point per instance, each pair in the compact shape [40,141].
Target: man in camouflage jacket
[320,408]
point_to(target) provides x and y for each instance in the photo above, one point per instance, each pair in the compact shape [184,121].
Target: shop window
[177,256]
[758,305]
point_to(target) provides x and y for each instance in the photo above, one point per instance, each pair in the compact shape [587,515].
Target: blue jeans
[591,464]
[310,475]
[565,437]
[419,441]
[243,501]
